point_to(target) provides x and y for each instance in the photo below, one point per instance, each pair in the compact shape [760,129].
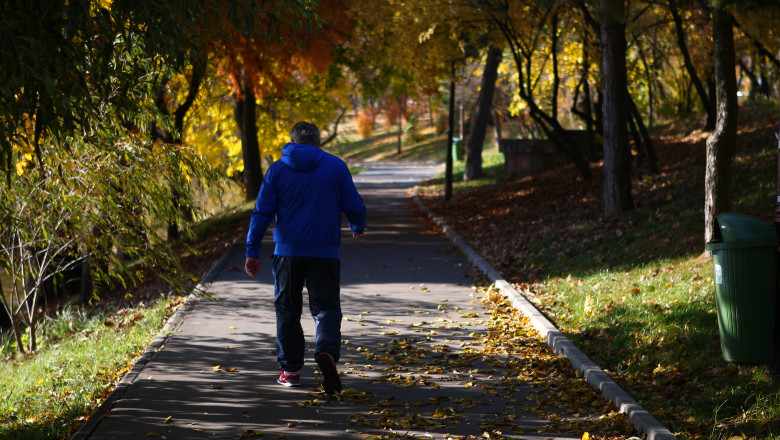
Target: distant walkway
[409,314]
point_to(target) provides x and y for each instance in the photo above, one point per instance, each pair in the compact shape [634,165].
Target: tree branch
[335,127]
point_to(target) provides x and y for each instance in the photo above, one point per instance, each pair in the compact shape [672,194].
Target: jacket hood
[301,157]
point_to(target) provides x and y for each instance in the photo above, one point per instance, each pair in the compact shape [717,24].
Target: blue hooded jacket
[305,191]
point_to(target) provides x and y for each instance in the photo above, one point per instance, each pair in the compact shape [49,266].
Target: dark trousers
[321,276]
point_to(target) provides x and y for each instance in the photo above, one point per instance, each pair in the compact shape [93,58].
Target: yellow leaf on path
[168,419]
[153,434]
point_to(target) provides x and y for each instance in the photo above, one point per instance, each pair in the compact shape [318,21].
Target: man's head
[305,133]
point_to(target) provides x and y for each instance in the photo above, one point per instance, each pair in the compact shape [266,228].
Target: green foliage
[65,63]
[83,181]
[98,203]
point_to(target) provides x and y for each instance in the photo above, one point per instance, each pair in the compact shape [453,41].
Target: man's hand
[252,266]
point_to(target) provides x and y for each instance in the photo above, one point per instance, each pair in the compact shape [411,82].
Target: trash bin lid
[738,228]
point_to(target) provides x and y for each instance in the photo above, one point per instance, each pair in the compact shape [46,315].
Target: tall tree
[722,141]
[524,26]
[482,115]
[708,104]
[450,134]
[173,133]
[246,120]
[617,156]
[276,41]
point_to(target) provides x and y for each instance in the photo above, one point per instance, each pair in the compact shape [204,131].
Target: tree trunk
[431,121]
[650,80]
[482,116]
[177,136]
[461,124]
[450,133]
[722,141]
[87,283]
[638,145]
[245,113]
[586,113]
[706,99]
[32,325]
[497,136]
[556,77]
[617,157]
[400,121]
[647,141]
[15,324]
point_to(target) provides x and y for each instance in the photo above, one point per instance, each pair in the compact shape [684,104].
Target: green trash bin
[744,253]
[456,148]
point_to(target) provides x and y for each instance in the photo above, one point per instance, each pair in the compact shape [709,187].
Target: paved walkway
[409,313]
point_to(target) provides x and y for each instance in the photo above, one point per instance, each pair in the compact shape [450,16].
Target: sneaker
[289,379]
[331,382]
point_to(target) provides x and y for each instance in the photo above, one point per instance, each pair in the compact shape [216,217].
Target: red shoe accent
[289,379]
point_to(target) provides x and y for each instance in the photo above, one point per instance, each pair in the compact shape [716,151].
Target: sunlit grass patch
[83,356]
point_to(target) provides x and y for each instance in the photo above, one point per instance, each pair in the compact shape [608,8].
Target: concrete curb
[592,373]
[167,331]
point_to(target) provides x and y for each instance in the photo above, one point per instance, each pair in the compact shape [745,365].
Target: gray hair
[305,133]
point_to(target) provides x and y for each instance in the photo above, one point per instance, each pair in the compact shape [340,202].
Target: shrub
[365,123]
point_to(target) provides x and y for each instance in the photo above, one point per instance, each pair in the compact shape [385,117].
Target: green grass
[424,146]
[83,355]
[492,169]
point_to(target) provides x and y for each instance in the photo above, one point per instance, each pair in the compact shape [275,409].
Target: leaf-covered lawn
[634,293]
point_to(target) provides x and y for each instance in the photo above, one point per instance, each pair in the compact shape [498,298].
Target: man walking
[306,191]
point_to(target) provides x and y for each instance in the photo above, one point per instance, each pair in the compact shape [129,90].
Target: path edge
[86,430]
[593,374]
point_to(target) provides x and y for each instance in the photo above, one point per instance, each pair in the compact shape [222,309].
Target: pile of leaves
[503,362]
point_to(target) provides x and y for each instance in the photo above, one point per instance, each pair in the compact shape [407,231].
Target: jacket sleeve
[262,215]
[352,205]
